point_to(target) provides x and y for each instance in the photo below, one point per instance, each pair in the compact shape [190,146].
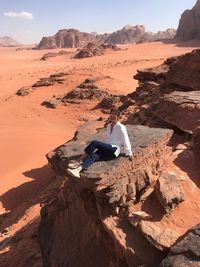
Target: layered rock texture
[122,213]
[88,224]
[186,252]
[8,41]
[94,49]
[66,38]
[159,36]
[170,93]
[127,35]
[189,25]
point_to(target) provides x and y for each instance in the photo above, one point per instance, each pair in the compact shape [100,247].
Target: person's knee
[94,142]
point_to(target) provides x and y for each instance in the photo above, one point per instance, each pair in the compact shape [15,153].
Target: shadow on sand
[190,165]
[17,200]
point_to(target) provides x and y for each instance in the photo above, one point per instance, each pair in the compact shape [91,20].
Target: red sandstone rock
[183,74]
[86,212]
[169,192]
[66,38]
[186,252]
[196,142]
[189,24]
[49,55]
[180,109]
[94,49]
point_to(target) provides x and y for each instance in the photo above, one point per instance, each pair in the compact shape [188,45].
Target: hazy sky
[27,20]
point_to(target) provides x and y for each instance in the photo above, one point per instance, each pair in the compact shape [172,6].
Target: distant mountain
[66,38]
[159,36]
[189,24]
[127,35]
[8,41]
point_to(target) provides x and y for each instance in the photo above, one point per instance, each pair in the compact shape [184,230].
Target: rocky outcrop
[50,55]
[127,35]
[51,80]
[66,39]
[86,90]
[88,222]
[183,73]
[24,91]
[169,94]
[189,24]
[159,36]
[196,142]
[56,78]
[180,109]
[94,49]
[7,41]
[165,35]
[186,251]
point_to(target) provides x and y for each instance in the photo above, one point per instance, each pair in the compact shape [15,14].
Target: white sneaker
[75,172]
[73,164]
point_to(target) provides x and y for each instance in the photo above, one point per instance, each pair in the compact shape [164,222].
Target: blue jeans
[97,150]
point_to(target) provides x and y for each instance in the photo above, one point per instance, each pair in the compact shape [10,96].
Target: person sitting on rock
[117,137]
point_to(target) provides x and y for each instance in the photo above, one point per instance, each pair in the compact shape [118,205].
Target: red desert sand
[29,130]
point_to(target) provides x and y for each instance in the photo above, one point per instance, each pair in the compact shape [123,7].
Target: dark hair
[115,112]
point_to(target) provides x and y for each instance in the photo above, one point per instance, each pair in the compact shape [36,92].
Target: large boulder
[189,24]
[86,225]
[169,191]
[180,109]
[183,74]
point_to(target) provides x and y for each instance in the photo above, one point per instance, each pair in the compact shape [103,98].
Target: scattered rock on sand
[51,54]
[95,49]
[86,90]
[24,91]
[51,103]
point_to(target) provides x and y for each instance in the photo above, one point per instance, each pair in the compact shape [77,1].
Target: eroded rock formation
[169,93]
[189,24]
[50,55]
[88,223]
[127,35]
[103,218]
[94,49]
[66,39]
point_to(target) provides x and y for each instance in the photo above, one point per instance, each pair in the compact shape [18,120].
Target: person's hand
[130,157]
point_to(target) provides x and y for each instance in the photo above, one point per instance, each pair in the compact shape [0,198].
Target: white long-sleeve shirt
[119,138]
